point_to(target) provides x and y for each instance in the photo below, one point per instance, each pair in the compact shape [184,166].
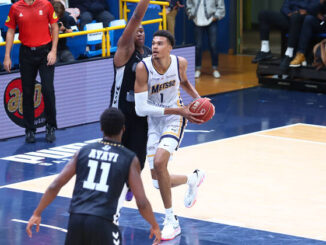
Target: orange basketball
[203,105]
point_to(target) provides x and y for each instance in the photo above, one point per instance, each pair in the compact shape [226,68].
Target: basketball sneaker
[171,228]
[194,182]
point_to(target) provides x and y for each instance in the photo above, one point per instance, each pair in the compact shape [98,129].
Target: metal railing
[124,9]
[106,45]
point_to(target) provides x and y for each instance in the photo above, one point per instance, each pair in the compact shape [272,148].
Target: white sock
[289,52]
[190,179]
[169,213]
[265,46]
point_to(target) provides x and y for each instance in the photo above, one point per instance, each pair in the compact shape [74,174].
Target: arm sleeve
[143,108]
[11,21]
[53,18]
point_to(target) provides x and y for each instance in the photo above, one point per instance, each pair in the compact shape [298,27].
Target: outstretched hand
[34,220]
[157,233]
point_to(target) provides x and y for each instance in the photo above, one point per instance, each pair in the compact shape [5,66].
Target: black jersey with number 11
[102,170]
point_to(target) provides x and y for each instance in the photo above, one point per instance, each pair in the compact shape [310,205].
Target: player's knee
[155,184]
[159,165]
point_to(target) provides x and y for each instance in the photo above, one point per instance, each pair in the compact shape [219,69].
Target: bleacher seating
[115,34]
[94,40]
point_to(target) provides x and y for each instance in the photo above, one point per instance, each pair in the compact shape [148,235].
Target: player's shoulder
[182,62]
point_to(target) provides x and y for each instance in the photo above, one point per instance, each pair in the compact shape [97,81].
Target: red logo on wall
[13,102]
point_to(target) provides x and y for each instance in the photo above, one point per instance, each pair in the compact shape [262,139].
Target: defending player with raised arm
[130,51]
[95,205]
[157,95]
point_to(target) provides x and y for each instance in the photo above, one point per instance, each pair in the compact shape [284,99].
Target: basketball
[203,105]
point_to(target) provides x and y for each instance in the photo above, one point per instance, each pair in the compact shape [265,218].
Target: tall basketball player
[157,96]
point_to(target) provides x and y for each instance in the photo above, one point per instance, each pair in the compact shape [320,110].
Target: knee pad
[155,184]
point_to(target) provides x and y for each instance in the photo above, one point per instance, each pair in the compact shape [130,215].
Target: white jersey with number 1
[163,89]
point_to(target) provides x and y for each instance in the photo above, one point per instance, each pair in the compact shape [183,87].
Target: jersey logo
[8,19]
[40,12]
[116,238]
[159,87]
[20,15]
[55,16]
[106,148]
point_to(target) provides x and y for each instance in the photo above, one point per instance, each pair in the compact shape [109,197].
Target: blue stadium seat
[77,45]
[4,11]
[115,34]
[94,40]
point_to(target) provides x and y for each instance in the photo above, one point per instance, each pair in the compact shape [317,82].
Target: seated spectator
[64,23]
[312,25]
[92,9]
[289,19]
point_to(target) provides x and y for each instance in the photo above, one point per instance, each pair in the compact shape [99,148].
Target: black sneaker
[285,64]
[50,134]
[30,136]
[261,56]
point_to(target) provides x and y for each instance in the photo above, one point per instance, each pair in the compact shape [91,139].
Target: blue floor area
[20,205]
[237,113]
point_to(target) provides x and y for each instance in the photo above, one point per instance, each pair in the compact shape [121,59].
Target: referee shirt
[33,21]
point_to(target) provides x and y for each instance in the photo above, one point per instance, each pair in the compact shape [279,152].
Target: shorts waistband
[38,47]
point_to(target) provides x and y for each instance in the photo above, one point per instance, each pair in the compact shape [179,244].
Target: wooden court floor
[237,72]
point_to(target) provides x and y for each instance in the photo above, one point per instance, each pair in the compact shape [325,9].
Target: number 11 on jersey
[101,186]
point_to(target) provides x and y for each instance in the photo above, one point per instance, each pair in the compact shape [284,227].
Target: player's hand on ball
[191,116]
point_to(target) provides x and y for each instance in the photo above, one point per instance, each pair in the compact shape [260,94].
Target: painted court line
[43,225]
[291,139]
[240,136]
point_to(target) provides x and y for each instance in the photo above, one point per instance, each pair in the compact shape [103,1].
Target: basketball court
[264,158]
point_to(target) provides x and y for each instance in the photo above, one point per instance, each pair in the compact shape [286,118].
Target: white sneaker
[197,74]
[171,228]
[197,178]
[216,74]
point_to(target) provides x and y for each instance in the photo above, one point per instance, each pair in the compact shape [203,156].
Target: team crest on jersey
[40,12]
[8,19]
[55,16]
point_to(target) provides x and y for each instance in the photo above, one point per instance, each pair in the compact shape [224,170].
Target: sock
[169,213]
[289,52]
[190,179]
[265,46]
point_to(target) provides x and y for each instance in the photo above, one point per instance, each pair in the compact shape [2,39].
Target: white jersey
[164,89]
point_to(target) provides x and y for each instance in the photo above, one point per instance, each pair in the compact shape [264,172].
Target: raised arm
[50,194]
[143,204]
[126,42]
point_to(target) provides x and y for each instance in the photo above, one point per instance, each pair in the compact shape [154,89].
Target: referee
[38,52]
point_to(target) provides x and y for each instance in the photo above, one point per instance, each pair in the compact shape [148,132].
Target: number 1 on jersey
[161,97]
[90,184]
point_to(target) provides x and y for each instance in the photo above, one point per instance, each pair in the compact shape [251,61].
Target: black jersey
[102,170]
[122,91]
